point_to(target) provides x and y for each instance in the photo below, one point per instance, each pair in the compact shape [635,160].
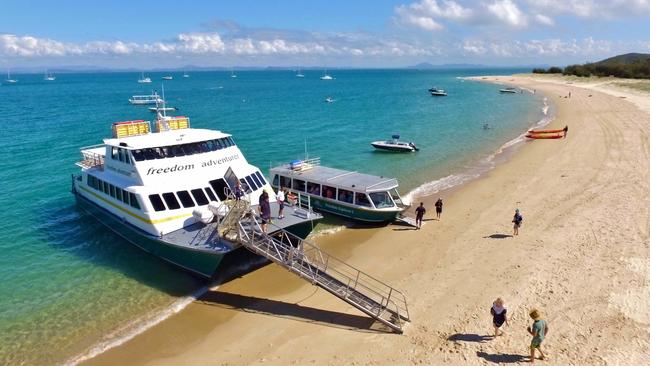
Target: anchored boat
[437,92]
[152,98]
[508,90]
[354,195]
[169,191]
[395,145]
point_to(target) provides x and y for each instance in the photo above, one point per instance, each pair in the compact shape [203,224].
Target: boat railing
[299,165]
[91,159]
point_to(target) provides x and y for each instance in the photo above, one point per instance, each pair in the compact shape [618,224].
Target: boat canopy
[315,173]
[395,137]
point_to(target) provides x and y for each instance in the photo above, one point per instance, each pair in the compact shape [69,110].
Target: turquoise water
[67,283]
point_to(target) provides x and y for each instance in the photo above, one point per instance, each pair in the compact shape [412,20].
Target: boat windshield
[396,197]
[381,199]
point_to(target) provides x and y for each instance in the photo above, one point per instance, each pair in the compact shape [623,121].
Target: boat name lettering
[178,168]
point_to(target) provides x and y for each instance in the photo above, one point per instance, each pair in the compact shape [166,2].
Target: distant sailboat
[326,76]
[9,80]
[185,75]
[232,73]
[144,80]
[48,76]
[300,74]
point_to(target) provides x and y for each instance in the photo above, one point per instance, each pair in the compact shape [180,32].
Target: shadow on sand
[256,305]
[497,236]
[476,338]
[501,357]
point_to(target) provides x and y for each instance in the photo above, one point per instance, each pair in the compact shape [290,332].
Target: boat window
[329,192]
[210,145]
[251,183]
[276,180]
[125,197]
[171,201]
[231,141]
[285,182]
[245,186]
[118,193]
[137,155]
[396,197]
[299,185]
[345,195]
[211,195]
[204,146]
[220,188]
[224,143]
[217,144]
[156,202]
[361,199]
[111,190]
[114,153]
[177,151]
[260,177]
[185,198]
[199,197]
[159,153]
[313,188]
[105,187]
[257,180]
[381,199]
[134,200]
[120,155]
[149,154]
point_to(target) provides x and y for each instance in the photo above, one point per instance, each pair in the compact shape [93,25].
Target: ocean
[70,288]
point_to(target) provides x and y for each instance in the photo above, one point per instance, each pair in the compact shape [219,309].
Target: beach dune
[582,258]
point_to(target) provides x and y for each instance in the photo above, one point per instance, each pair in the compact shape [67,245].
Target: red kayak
[545,136]
[532,132]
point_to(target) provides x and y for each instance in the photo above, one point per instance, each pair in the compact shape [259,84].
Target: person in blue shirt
[516,220]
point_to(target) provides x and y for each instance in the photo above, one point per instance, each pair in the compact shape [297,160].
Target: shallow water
[67,283]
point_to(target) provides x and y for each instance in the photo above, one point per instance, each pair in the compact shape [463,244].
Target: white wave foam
[132,329]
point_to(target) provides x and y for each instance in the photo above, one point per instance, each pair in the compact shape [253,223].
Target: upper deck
[311,171]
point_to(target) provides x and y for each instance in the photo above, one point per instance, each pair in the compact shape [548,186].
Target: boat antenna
[163,99]
[306,153]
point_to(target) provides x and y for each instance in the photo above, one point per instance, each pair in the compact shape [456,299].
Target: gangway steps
[371,296]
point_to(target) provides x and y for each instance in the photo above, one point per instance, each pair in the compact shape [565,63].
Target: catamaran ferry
[163,190]
[362,197]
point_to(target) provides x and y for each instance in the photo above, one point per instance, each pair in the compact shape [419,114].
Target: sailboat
[326,76]
[9,80]
[144,80]
[48,76]
[185,75]
[232,73]
[300,74]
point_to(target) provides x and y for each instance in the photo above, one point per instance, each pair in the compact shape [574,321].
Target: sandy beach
[582,258]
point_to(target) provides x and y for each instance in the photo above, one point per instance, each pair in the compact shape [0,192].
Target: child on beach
[499,316]
[419,214]
[516,220]
[538,330]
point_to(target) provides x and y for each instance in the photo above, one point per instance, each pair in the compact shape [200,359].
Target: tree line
[634,70]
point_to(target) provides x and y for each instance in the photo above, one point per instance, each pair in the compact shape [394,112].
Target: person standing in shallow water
[516,220]
[419,215]
[438,208]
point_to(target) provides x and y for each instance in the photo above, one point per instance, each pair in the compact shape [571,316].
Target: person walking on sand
[419,215]
[516,220]
[538,330]
[499,316]
[280,198]
[566,130]
[438,208]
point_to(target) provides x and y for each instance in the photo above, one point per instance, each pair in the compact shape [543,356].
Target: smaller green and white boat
[357,196]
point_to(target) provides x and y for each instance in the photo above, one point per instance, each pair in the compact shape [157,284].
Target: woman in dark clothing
[438,208]
[499,316]
[265,210]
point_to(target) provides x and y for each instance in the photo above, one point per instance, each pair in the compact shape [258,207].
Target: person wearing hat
[516,220]
[538,330]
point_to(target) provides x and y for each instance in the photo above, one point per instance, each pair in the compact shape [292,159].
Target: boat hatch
[131,128]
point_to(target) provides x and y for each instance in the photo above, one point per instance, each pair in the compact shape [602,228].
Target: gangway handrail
[365,292]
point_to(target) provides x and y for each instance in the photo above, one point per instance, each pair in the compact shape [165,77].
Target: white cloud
[508,12]
[544,20]
[426,14]
[593,8]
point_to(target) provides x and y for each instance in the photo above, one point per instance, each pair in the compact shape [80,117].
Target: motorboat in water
[508,90]
[143,79]
[395,145]
[326,76]
[153,98]
[168,77]
[437,92]
[49,77]
[329,100]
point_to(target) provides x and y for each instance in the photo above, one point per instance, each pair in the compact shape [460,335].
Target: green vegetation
[642,86]
[631,66]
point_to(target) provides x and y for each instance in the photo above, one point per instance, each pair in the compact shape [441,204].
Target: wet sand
[582,258]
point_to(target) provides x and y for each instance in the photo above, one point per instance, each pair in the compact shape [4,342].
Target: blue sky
[379,33]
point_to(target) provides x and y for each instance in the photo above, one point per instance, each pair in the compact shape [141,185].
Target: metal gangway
[304,259]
